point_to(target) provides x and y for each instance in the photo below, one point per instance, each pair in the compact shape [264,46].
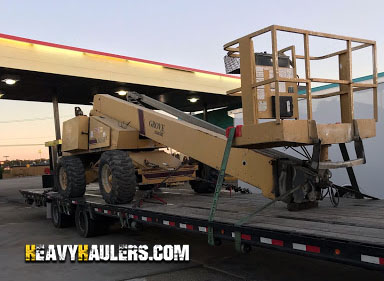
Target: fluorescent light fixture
[193,100]
[9,81]
[121,92]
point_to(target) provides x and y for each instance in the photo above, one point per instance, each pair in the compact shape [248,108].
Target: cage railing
[243,49]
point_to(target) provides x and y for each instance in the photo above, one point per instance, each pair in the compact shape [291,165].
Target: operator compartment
[270,91]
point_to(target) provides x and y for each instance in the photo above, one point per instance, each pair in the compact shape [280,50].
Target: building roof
[76,74]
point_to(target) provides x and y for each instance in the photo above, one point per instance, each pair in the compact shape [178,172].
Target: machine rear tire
[207,173]
[117,179]
[70,175]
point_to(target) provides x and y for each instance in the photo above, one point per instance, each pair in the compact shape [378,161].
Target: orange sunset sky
[180,40]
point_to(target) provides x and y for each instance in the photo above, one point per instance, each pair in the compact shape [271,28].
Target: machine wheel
[71,177]
[59,219]
[86,227]
[207,173]
[117,179]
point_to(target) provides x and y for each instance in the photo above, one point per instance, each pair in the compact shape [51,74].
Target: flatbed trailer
[352,233]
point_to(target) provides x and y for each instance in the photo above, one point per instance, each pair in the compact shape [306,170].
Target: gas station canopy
[32,70]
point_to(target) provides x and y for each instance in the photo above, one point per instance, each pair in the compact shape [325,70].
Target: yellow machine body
[196,142]
[83,134]
[75,134]
[267,91]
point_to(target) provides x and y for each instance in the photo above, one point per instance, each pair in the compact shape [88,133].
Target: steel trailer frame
[333,249]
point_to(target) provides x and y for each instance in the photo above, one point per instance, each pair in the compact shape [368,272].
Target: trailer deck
[351,233]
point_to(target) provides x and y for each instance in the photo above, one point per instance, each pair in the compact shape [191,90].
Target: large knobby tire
[208,174]
[59,219]
[117,179]
[70,177]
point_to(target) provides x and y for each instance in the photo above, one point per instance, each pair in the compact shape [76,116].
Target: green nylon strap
[219,184]
[238,241]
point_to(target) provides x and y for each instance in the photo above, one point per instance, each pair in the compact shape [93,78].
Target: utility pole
[6,159]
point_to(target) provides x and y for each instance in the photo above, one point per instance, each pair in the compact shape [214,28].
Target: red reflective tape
[239,132]
[313,249]
[381,261]
[245,237]
[59,46]
[227,131]
[172,223]
[277,242]
[190,227]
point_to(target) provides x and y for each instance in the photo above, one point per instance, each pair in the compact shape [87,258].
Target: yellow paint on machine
[196,142]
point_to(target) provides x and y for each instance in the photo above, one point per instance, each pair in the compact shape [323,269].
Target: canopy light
[9,81]
[122,92]
[193,100]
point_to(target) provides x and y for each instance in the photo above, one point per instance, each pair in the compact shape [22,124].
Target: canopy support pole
[55,148]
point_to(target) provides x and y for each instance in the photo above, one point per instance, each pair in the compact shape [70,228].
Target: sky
[187,33]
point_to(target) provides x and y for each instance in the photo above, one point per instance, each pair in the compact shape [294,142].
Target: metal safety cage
[241,51]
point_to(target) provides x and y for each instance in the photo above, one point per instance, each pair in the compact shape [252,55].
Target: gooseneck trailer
[352,233]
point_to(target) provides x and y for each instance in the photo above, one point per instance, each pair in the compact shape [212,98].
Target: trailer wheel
[71,177]
[117,179]
[209,176]
[86,227]
[59,219]
[245,248]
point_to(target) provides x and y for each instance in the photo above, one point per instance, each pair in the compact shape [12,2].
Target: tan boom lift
[123,140]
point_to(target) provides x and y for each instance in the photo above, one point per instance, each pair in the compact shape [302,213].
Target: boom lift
[122,140]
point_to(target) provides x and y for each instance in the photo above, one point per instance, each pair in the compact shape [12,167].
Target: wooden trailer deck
[357,220]
[351,233]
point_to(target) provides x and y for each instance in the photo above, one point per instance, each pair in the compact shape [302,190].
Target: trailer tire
[117,179]
[206,173]
[59,219]
[71,177]
[86,227]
